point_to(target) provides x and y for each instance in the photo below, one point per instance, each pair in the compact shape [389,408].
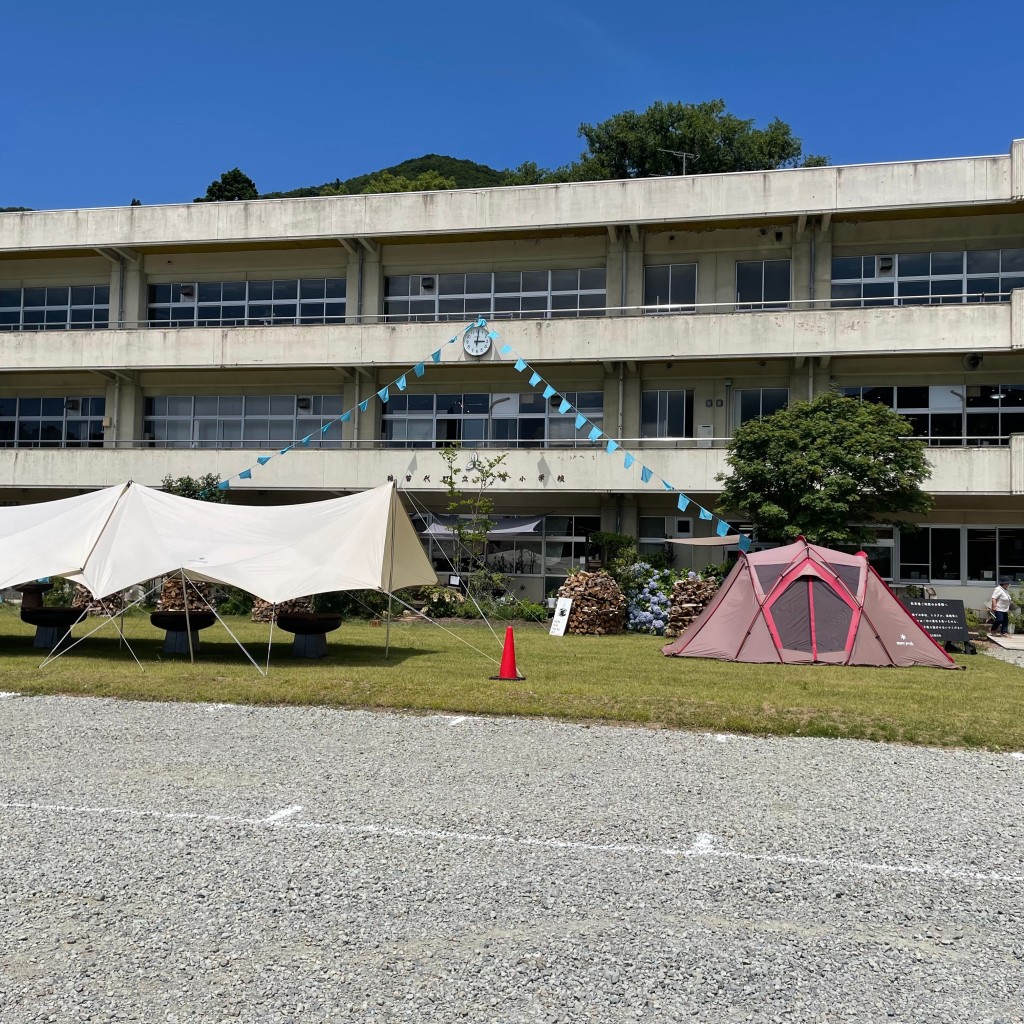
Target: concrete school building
[139,342]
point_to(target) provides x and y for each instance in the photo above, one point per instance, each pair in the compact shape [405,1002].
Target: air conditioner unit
[427,284]
[885,266]
[304,403]
[188,292]
[72,404]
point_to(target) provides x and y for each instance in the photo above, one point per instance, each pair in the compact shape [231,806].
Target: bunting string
[594,433]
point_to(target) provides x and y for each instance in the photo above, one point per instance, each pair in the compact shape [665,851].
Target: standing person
[1000,605]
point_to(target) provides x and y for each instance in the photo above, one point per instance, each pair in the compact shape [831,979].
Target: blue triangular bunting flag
[581,421]
[683,503]
[535,379]
[493,335]
[307,439]
[667,485]
[419,369]
[384,394]
[549,391]
[705,514]
[628,460]
[744,543]
[722,528]
[246,474]
[436,356]
[645,475]
[325,428]
[286,449]
[364,405]
[263,459]
[344,417]
[613,446]
[223,485]
[564,407]
[401,383]
[480,323]
[595,433]
[505,349]
[520,365]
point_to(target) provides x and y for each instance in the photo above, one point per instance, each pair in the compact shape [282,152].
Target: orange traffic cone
[508,668]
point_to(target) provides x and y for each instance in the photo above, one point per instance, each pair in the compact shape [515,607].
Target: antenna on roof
[682,156]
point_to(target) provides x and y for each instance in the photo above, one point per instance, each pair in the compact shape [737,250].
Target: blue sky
[110,100]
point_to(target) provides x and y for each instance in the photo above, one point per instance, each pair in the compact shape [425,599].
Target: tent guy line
[703,846]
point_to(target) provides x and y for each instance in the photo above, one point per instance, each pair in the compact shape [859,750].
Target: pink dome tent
[802,604]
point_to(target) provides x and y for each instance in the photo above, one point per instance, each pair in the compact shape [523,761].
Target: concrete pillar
[1017,169]
[614,281]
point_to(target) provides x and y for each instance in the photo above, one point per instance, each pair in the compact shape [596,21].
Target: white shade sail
[111,539]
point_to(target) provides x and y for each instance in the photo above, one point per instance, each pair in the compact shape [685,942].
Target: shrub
[648,591]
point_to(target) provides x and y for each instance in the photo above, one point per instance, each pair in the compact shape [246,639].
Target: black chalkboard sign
[944,620]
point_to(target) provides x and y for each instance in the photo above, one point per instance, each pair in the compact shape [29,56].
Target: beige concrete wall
[559,474]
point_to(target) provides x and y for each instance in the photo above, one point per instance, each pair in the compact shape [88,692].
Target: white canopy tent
[116,537]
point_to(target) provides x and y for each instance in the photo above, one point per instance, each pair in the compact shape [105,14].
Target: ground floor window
[960,554]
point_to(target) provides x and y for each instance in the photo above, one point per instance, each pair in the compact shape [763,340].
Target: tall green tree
[652,143]
[231,185]
[833,470]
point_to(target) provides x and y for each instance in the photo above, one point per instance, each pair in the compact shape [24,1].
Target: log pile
[111,605]
[598,606]
[689,598]
[263,611]
[172,596]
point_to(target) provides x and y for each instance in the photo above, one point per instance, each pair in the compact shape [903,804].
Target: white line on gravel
[285,812]
[703,845]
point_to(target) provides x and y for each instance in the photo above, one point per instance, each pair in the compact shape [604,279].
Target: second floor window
[240,421]
[514,295]
[254,303]
[75,307]
[763,284]
[501,420]
[52,422]
[666,414]
[670,288]
[927,278]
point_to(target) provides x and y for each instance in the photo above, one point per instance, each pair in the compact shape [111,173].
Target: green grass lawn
[609,679]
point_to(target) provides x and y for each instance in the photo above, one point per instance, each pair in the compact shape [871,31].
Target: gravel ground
[208,863]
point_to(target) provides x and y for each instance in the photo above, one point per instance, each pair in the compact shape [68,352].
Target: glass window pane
[846,268]
[286,289]
[451,284]
[35,297]
[261,291]
[565,280]
[233,291]
[749,281]
[10,297]
[656,286]
[208,291]
[508,282]
[776,280]
[535,281]
[947,263]
[206,406]
[981,555]
[311,289]
[82,296]
[983,261]
[335,287]
[684,285]
[282,405]
[396,285]
[912,398]
[478,284]
[1012,261]
[592,279]
[1011,553]
[57,296]
[914,264]
[879,396]
[774,399]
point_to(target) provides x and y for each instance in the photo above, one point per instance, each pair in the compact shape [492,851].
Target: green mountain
[466,173]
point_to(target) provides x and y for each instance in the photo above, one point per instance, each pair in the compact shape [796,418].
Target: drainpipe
[117,401]
[622,281]
[621,421]
[355,419]
[120,291]
[811,272]
[359,289]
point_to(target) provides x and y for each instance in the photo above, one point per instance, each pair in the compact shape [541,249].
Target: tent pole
[188,624]
[270,637]
[391,575]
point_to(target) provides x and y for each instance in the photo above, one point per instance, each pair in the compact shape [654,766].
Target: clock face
[476,341]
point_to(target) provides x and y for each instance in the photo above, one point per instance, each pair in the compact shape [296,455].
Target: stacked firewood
[689,598]
[598,606]
[111,604]
[264,611]
[172,595]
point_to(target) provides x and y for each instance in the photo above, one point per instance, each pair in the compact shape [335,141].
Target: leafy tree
[651,143]
[231,185]
[428,181]
[203,488]
[135,202]
[15,209]
[831,469]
